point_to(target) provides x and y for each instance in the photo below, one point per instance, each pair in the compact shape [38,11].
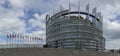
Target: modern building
[69,29]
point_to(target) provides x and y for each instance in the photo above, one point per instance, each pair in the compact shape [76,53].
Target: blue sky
[28,17]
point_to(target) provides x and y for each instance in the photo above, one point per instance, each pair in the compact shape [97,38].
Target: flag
[98,14]
[87,10]
[26,36]
[10,36]
[87,7]
[101,19]
[69,6]
[7,36]
[61,7]
[79,5]
[13,36]
[35,38]
[53,11]
[23,37]
[18,36]
[39,39]
[79,9]
[94,10]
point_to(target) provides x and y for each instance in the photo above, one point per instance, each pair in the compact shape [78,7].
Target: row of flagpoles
[23,39]
[15,36]
[94,10]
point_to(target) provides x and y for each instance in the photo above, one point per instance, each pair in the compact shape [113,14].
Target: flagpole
[12,40]
[79,9]
[30,40]
[18,38]
[69,9]
[53,11]
[15,39]
[95,18]
[87,10]
[7,39]
[94,13]
[61,8]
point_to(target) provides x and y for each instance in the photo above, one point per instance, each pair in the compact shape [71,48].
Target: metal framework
[68,31]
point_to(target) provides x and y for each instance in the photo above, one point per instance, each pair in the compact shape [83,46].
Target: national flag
[23,37]
[79,9]
[13,36]
[87,10]
[98,14]
[87,7]
[18,36]
[69,6]
[7,36]
[10,36]
[35,38]
[79,5]
[61,7]
[94,10]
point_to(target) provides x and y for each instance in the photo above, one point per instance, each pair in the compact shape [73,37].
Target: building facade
[65,30]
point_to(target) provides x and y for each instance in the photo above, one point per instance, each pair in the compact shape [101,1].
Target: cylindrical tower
[71,31]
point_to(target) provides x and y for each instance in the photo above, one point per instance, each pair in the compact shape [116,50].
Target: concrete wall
[51,52]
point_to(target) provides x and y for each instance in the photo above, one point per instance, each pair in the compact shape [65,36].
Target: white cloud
[113,44]
[10,22]
[17,3]
[9,18]
[111,29]
[40,23]
[109,9]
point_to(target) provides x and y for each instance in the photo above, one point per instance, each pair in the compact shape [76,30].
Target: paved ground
[51,52]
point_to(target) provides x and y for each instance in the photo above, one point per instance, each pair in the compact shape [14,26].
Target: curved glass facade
[72,32]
